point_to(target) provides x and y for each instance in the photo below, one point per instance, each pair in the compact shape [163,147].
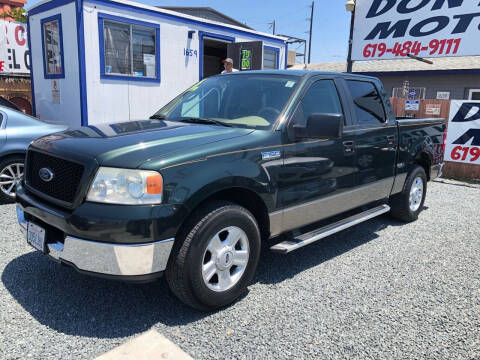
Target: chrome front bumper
[108,258]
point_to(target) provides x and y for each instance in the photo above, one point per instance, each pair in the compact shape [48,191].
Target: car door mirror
[320,126]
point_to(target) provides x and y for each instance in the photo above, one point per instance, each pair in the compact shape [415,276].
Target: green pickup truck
[233,161]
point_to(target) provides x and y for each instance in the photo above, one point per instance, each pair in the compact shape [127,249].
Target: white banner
[463,136]
[13,48]
[392,29]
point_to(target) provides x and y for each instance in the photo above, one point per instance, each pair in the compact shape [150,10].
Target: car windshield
[241,100]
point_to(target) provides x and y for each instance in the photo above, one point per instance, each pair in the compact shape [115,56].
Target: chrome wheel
[225,259]
[416,194]
[10,176]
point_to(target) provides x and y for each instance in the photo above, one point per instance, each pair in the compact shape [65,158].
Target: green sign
[246,60]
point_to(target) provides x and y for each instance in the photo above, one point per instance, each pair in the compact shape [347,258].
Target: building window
[474,94]
[129,49]
[52,43]
[270,58]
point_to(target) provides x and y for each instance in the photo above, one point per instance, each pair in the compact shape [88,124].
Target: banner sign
[433,109]
[463,136]
[13,48]
[412,105]
[392,29]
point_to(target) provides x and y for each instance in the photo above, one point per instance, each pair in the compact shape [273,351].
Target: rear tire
[11,172]
[406,205]
[215,256]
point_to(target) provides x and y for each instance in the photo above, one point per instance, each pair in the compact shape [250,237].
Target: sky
[330,21]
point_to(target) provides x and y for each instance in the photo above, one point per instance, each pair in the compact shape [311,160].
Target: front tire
[406,205]
[215,256]
[11,173]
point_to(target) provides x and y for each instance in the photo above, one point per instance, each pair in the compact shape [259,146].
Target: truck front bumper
[138,261]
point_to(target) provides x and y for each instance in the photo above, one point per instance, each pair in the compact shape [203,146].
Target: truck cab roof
[304,73]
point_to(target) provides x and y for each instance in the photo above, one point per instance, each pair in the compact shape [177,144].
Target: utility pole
[350,6]
[272,26]
[310,39]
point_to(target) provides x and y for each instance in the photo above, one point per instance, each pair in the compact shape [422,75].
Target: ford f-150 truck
[235,160]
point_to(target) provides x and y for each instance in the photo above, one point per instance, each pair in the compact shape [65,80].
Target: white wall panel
[68,110]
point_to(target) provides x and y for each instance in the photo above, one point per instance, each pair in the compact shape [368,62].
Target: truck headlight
[126,187]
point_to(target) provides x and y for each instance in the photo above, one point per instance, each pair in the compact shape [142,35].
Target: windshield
[242,100]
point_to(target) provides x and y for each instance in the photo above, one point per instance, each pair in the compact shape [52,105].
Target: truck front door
[317,174]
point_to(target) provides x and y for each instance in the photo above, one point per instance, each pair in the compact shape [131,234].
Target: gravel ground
[380,290]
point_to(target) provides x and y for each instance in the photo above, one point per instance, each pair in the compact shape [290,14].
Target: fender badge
[268,155]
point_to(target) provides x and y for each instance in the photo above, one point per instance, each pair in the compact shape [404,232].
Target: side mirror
[320,126]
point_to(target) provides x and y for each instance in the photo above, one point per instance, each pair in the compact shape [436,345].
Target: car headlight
[126,187]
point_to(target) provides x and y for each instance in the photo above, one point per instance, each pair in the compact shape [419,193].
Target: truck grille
[65,182]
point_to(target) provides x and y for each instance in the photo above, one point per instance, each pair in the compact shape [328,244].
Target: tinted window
[9,104]
[321,97]
[368,103]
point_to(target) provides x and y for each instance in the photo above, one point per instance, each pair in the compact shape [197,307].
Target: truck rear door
[375,136]
[318,175]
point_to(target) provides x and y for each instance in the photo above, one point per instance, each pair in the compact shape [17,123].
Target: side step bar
[300,241]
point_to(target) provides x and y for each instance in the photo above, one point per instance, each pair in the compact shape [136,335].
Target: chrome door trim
[300,215]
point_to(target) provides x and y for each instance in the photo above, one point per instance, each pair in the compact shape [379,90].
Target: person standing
[228,64]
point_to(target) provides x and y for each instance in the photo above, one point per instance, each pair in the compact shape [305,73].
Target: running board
[300,241]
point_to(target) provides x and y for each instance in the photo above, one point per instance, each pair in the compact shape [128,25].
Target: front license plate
[36,236]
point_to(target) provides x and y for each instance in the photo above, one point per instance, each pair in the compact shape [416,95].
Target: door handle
[348,147]
[391,139]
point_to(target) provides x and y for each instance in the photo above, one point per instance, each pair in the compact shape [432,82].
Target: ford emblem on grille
[46,174]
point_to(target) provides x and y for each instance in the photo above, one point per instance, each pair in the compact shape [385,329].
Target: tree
[16,14]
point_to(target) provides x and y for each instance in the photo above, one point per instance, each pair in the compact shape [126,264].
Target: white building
[97,61]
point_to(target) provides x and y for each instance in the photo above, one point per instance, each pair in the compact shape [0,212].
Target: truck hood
[130,144]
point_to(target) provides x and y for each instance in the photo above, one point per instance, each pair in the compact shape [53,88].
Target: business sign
[433,109]
[392,29]
[443,95]
[412,105]
[463,136]
[55,91]
[246,60]
[13,48]
[412,93]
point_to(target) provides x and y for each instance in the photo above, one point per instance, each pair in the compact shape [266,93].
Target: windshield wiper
[158,117]
[198,120]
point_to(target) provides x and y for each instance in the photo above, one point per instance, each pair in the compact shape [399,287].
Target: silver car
[17,130]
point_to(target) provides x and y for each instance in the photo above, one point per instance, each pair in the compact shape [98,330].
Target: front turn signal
[154,184]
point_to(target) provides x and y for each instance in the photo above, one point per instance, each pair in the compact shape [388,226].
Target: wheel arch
[12,153]
[240,195]
[424,159]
